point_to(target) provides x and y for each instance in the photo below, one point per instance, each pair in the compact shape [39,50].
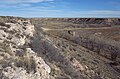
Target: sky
[60,8]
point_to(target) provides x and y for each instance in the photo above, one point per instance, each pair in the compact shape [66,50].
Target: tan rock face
[16,61]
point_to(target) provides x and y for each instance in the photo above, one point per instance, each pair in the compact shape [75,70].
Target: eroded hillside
[90,49]
[17,59]
[60,48]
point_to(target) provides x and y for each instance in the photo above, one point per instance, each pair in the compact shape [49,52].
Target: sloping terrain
[17,59]
[66,48]
[86,50]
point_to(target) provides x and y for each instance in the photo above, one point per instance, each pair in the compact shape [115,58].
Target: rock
[40,64]
[18,41]
[20,52]
[21,62]
[29,30]
[42,70]
[77,64]
[3,35]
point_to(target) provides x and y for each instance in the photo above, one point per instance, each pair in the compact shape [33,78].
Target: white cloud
[23,1]
[20,3]
[105,12]
[94,13]
[37,12]
[98,12]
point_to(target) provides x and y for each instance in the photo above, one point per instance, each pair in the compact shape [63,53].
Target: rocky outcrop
[17,59]
[29,67]
[25,49]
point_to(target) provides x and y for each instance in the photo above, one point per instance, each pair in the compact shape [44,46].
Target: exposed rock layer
[17,59]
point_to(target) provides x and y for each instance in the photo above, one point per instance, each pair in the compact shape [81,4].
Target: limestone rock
[17,61]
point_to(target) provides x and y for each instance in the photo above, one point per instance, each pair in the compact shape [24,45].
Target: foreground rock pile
[17,59]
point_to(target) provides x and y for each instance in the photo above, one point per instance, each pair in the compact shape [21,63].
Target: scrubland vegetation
[70,54]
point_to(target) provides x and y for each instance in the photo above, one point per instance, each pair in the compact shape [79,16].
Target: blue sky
[60,8]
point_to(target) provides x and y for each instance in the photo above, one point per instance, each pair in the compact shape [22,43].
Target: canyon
[59,48]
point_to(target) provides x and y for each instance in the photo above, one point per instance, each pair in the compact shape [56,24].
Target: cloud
[8,4]
[104,12]
[98,12]
[60,13]
[93,13]
[23,1]
[28,8]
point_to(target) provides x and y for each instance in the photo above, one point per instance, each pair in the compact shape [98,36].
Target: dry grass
[26,62]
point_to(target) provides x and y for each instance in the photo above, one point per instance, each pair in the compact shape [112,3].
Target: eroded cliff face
[17,59]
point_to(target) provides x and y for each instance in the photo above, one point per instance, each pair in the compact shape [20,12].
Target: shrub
[26,62]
